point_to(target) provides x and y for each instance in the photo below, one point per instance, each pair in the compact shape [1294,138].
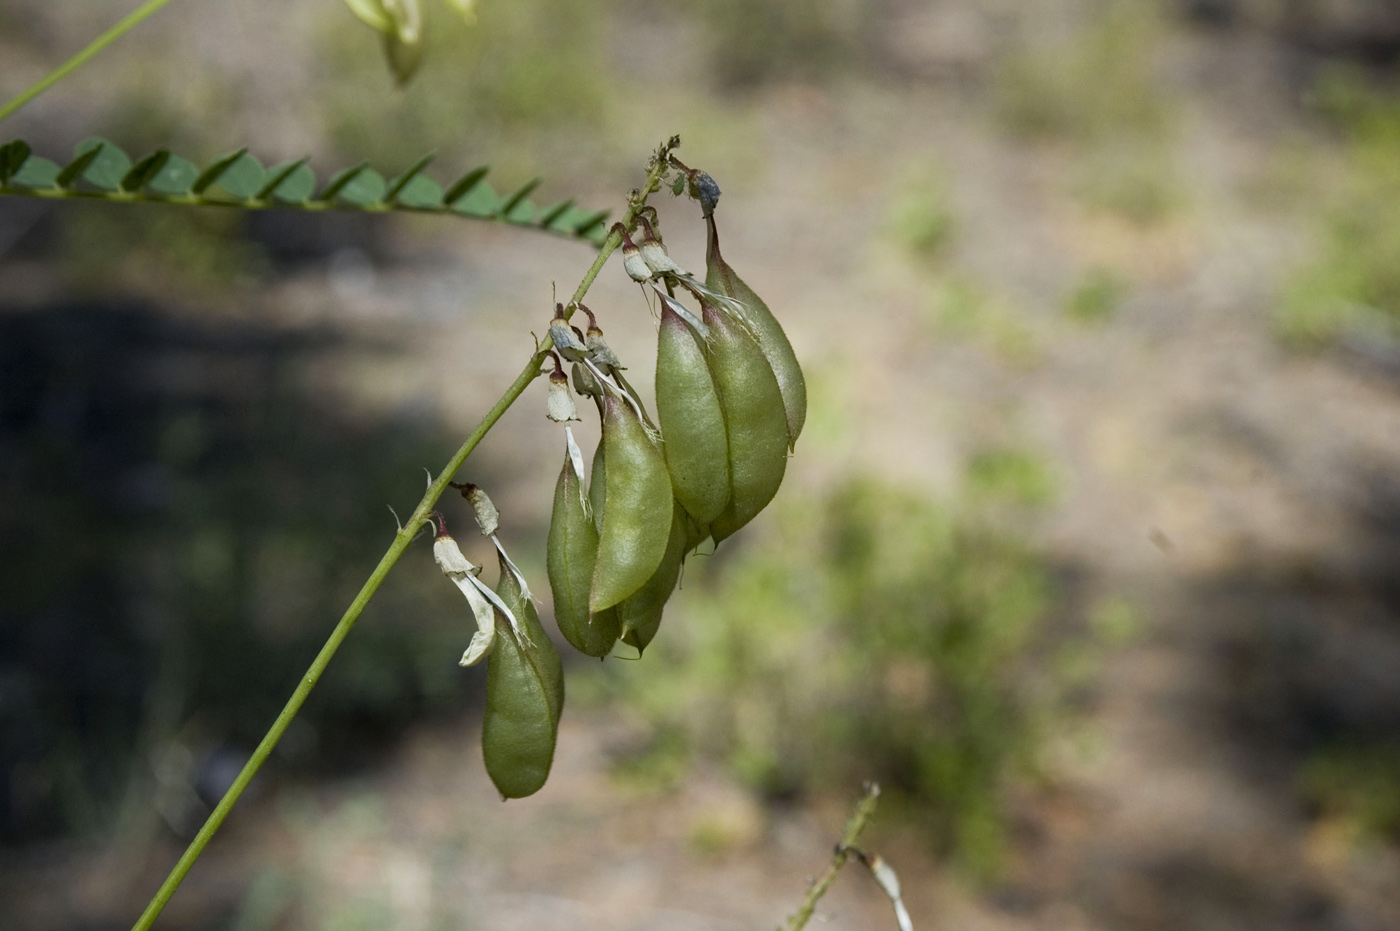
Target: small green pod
[636,508]
[641,614]
[692,421]
[524,697]
[766,329]
[753,416]
[571,553]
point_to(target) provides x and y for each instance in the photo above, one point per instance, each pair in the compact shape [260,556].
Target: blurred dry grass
[1159,697]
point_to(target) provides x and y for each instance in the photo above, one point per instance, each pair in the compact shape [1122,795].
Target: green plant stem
[402,539]
[131,21]
[864,809]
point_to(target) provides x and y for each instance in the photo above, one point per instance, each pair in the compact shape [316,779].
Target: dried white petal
[514,569]
[450,559]
[487,517]
[521,635]
[601,354]
[654,254]
[685,313]
[585,383]
[885,876]
[635,266]
[559,406]
[566,341]
[463,574]
[485,637]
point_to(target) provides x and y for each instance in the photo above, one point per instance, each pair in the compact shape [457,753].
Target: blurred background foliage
[879,635]
[186,505]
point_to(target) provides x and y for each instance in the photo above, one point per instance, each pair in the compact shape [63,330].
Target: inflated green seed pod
[598,485]
[692,421]
[753,417]
[636,507]
[637,398]
[766,329]
[641,614]
[524,697]
[572,552]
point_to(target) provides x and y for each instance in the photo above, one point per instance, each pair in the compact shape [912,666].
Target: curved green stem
[396,549]
[131,21]
[854,826]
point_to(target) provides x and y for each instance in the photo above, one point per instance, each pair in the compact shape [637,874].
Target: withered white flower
[462,573]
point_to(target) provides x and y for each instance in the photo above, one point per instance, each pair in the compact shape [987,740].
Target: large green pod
[753,416]
[571,553]
[692,422]
[766,329]
[641,614]
[524,697]
[598,485]
[636,507]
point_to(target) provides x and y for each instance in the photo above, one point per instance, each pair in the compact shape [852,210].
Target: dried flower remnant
[559,406]
[463,574]
[632,262]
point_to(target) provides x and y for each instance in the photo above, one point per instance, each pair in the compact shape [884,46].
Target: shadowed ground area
[1092,300]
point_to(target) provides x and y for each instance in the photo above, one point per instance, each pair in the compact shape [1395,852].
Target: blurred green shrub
[1360,784]
[750,43]
[528,74]
[1099,83]
[884,636]
[922,220]
[958,308]
[1353,285]
[1096,297]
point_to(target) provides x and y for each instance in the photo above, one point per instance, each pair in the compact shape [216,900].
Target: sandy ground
[1228,488]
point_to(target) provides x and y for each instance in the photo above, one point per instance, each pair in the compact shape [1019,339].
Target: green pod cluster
[754,417]
[524,696]
[692,421]
[571,555]
[637,510]
[641,614]
[766,331]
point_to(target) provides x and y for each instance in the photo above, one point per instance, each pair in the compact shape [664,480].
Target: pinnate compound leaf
[463,185]
[590,221]
[481,201]
[70,173]
[289,182]
[553,212]
[421,192]
[175,178]
[243,177]
[13,155]
[339,180]
[365,188]
[101,170]
[210,176]
[36,173]
[516,208]
[108,165]
[144,171]
[401,181]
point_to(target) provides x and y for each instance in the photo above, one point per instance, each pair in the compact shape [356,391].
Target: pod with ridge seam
[571,554]
[696,443]
[754,419]
[766,330]
[524,697]
[636,512]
